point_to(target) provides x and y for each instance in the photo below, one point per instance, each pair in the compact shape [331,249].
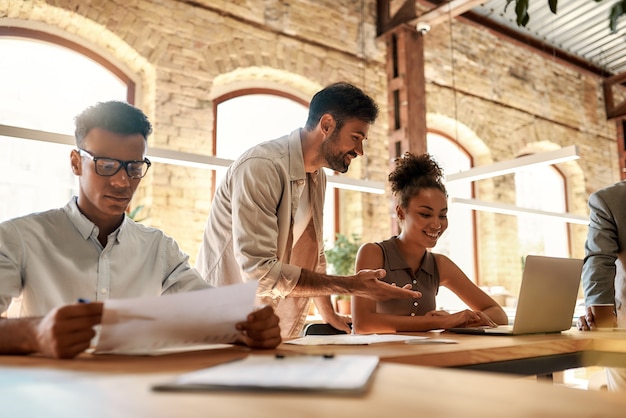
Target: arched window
[45,83]
[458,241]
[541,188]
[247,118]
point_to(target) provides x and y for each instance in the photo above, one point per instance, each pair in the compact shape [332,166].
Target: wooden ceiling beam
[385,21]
[444,12]
[407,14]
[613,109]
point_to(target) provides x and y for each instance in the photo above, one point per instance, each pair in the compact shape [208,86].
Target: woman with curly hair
[421,208]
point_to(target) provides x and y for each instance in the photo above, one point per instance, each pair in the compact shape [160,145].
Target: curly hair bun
[415,171]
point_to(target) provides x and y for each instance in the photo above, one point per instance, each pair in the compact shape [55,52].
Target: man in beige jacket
[266,218]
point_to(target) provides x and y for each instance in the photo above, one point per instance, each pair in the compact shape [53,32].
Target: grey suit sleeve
[601,250]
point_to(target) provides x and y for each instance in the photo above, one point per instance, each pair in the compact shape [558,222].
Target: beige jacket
[249,234]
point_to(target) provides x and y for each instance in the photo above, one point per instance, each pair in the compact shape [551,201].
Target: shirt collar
[296,157]
[396,262]
[85,227]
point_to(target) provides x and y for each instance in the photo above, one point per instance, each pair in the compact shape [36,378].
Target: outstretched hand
[67,331]
[260,330]
[368,285]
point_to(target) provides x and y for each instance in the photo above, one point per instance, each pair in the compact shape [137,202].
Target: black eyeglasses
[107,167]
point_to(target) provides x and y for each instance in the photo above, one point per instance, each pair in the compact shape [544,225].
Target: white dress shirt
[53,258]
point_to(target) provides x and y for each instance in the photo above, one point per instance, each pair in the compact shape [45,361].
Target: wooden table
[524,355]
[119,386]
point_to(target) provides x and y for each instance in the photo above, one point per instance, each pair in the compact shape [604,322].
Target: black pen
[83,300]
[281,356]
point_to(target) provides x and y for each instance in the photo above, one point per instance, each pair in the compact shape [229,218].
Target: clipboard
[336,374]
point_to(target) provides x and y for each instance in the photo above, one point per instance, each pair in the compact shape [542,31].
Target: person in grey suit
[604,268]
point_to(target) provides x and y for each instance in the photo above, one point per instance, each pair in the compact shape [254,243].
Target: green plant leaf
[523,17]
[616,12]
[553,5]
[342,255]
[521,11]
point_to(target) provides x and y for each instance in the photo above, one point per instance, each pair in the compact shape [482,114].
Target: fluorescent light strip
[506,209]
[15,132]
[358,185]
[187,159]
[215,163]
[510,166]
[342,182]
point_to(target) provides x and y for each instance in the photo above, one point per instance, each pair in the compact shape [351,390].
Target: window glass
[34,176]
[541,188]
[245,121]
[44,86]
[458,241]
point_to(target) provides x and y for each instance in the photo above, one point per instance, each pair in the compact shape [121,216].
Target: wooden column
[406,93]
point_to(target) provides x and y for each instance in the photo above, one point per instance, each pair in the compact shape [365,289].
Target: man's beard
[335,160]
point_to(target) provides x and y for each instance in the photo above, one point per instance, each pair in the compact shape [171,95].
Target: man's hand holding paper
[261,329]
[210,316]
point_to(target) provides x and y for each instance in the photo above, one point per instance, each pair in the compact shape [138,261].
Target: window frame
[28,134]
[473,214]
[17,32]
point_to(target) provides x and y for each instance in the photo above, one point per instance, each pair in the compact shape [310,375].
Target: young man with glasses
[91,249]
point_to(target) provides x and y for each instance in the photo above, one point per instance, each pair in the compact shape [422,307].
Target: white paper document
[433,341]
[352,339]
[341,374]
[147,325]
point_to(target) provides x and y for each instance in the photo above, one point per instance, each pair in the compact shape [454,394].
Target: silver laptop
[547,298]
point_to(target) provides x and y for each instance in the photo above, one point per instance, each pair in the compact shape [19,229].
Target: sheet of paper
[339,373]
[149,325]
[351,339]
[164,350]
[433,341]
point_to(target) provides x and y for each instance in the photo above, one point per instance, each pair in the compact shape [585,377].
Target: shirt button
[104,290]
[414,281]
[415,303]
[412,313]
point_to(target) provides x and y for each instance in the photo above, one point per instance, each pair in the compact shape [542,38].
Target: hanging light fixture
[501,168]
[505,209]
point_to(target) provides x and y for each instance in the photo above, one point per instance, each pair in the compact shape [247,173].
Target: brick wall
[516,100]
